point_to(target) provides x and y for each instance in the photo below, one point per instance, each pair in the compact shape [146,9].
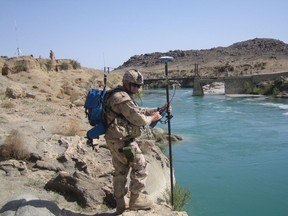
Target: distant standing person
[52,56]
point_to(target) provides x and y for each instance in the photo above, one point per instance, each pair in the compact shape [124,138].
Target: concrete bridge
[236,85]
[233,84]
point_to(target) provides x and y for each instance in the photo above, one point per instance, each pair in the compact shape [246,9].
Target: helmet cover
[133,76]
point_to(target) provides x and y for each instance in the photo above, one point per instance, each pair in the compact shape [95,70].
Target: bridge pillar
[197,88]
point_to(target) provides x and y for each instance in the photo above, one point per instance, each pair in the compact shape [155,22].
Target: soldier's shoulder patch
[120,97]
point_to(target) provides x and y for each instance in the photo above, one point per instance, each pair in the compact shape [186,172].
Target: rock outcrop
[84,176]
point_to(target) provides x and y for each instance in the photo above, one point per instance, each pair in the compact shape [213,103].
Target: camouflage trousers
[122,167]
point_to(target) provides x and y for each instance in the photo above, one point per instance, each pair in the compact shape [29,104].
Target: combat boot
[140,202]
[121,205]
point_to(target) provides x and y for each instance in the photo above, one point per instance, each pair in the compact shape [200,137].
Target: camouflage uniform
[121,133]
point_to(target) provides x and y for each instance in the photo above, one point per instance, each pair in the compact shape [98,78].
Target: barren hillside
[259,55]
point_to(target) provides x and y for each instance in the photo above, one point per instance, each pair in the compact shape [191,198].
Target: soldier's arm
[122,103]
[133,114]
[148,111]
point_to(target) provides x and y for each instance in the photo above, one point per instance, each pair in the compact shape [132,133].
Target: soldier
[52,56]
[125,119]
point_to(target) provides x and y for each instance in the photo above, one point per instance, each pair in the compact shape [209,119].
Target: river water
[234,156]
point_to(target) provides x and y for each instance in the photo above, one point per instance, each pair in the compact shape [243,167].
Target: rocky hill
[259,55]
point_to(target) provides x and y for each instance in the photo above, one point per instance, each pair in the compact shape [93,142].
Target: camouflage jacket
[124,117]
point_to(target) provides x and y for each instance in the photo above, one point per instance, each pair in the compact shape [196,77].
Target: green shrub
[247,88]
[276,91]
[7,104]
[260,65]
[268,88]
[20,66]
[264,88]
[256,90]
[251,89]
[181,197]
[75,64]
[224,68]
[64,66]
[69,128]
[49,65]
[14,147]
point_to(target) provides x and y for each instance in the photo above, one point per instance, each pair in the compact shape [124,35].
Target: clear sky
[100,33]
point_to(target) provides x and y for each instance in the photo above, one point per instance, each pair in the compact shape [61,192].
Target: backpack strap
[109,93]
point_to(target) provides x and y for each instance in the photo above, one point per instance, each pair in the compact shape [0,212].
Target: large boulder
[88,174]
[14,92]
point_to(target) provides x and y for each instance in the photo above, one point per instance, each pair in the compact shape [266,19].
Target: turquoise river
[234,153]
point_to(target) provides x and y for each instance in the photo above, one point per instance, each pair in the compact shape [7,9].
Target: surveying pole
[167,59]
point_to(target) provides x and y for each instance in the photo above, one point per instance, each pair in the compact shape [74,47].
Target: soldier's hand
[161,109]
[170,109]
[156,116]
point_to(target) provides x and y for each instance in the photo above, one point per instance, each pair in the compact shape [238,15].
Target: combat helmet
[133,76]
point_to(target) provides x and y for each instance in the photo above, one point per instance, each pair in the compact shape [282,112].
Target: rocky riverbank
[46,168]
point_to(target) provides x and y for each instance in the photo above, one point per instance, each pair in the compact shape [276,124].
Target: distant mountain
[258,55]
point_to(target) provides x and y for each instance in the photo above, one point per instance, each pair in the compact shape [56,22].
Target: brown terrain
[255,56]
[44,160]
